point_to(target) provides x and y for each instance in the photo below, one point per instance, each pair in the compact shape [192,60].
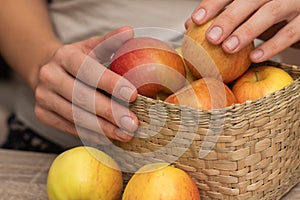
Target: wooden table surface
[23,176]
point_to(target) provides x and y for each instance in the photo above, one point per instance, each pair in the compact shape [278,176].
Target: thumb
[102,47]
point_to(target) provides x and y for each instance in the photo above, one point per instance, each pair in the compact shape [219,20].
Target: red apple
[207,60]
[205,94]
[259,82]
[151,65]
[159,181]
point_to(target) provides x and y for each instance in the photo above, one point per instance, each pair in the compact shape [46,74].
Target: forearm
[27,39]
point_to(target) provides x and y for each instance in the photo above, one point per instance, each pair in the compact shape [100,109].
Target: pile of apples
[197,74]
[87,173]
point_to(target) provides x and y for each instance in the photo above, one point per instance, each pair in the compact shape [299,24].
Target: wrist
[46,54]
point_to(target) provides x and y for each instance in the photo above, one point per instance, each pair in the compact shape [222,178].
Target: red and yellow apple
[151,65]
[84,173]
[260,81]
[160,181]
[207,60]
[205,94]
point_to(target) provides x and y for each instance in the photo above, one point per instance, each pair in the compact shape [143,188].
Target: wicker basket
[246,151]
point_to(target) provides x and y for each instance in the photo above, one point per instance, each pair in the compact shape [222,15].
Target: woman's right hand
[74,89]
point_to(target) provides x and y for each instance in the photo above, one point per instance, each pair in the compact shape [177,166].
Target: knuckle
[80,98]
[104,128]
[248,30]
[273,45]
[78,117]
[39,96]
[108,115]
[228,18]
[62,55]
[62,51]
[45,74]
[291,32]
[275,8]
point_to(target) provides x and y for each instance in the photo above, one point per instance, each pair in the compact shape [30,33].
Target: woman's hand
[243,21]
[74,88]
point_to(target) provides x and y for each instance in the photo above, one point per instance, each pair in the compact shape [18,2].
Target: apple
[151,65]
[205,94]
[160,181]
[207,60]
[260,81]
[189,75]
[84,173]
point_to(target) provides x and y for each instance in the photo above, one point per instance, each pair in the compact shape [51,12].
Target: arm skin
[27,40]
[30,47]
[275,21]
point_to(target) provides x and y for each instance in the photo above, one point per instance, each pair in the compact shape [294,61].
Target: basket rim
[248,104]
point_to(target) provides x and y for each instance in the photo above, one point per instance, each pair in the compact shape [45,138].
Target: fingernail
[257,54]
[215,33]
[199,14]
[123,135]
[127,123]
[126,93]
[232,43]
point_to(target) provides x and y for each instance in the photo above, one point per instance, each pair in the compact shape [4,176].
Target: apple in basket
[260,81]
[160,181]
[151,65]
[205,94]
[207,60]
[84,173]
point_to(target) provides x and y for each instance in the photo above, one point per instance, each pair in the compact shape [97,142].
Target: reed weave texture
[246,151]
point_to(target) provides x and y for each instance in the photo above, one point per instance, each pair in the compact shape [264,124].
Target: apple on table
[84,173]
[160,181]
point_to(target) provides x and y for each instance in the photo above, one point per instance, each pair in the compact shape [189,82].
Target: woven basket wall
[246,151]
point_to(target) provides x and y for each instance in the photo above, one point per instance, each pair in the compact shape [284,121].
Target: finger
[237,12]
[272,30]
[103,106]
[287,36]
[187,23]
[85,97]
[207,10]
[91,137]
[268,15]
[53,120]
[112,41]
[78,116]
[102,47]
[91,72]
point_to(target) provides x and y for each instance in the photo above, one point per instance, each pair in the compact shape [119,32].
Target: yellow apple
[259,82]
[205,94]
[160,181]
[207,60]
[151,65]
[84,173]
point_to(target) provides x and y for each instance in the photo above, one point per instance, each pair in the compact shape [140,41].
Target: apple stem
[256,75]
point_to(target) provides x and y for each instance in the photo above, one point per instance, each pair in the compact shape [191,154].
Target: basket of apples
[232,125]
